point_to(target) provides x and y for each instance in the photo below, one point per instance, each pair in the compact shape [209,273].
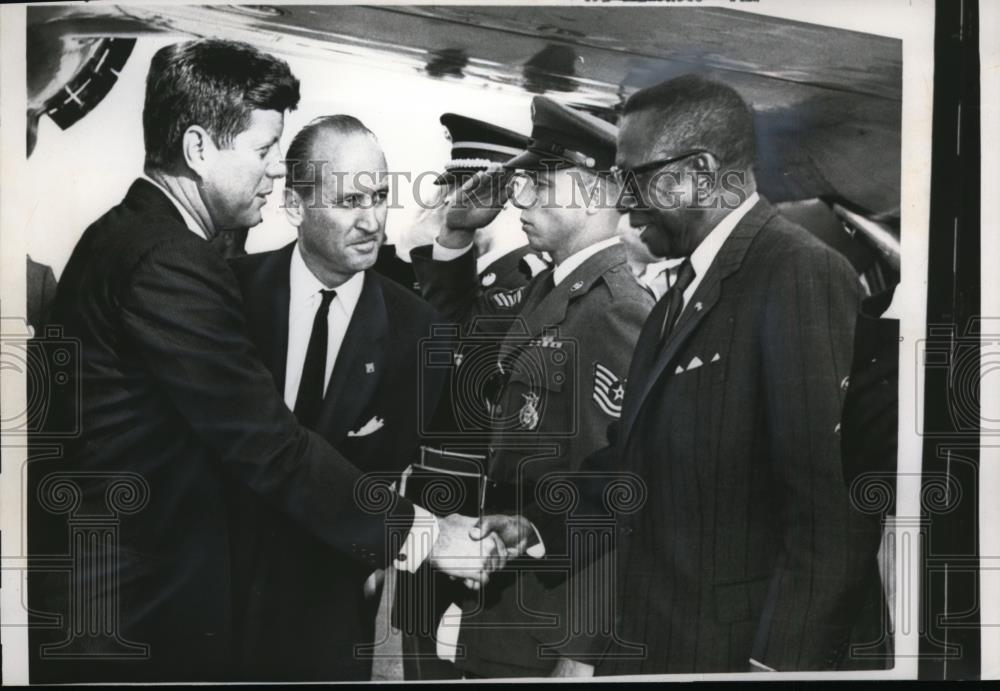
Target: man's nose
[367,218]
[275,167]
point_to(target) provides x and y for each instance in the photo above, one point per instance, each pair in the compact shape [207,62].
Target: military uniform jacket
[561,370]
[454,286]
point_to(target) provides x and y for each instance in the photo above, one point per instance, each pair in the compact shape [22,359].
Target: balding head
[333,145]
[336,196]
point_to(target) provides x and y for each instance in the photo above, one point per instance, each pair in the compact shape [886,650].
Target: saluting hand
[479,200]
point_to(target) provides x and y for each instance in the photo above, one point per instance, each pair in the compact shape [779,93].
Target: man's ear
[706,168]
[198,149]
[293,207]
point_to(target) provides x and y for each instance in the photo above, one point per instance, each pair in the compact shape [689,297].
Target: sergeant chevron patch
[609,391]
[508,299]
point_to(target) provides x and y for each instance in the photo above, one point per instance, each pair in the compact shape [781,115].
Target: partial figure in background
[41,291]
[504,261]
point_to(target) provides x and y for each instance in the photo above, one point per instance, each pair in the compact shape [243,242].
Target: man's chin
[656,241]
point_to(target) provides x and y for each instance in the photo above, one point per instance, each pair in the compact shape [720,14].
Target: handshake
[471,549]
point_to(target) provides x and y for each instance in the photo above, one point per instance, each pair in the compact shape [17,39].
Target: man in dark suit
[175,407]
[305,609]
[747,553]
[559,377]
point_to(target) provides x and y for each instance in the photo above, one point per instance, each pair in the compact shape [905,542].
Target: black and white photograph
[606,341]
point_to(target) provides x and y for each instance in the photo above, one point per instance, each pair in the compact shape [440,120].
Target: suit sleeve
[452,288]
[808,331]
[183,311]
[587,588]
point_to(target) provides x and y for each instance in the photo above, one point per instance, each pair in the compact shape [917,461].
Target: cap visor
[526,160]
[532,160]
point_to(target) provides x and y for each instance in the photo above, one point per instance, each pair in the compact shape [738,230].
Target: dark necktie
[675,298]
[310,396]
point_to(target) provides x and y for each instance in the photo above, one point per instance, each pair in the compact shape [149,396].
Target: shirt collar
[574,260]
[654,269]
[704,254]
[189,220]
[304,286]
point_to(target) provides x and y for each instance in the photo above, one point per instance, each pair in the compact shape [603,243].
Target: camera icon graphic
[50,363]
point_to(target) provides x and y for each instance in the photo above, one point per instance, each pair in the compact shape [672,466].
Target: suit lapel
[703,301]
[267,305]
[359,364]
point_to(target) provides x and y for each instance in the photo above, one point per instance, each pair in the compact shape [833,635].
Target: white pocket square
[373,425]
[695,362]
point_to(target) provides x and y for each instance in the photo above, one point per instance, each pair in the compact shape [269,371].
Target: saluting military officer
[504,260]
[559,379]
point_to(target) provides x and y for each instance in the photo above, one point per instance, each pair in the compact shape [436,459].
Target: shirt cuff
[440,253]
[419,541]
[537,550]
[761,666]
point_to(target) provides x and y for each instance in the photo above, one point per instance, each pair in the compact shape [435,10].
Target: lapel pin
[697,307]
[577,286]
[369,368]
[489,279]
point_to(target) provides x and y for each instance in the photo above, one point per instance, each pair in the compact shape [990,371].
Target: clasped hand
[472,549]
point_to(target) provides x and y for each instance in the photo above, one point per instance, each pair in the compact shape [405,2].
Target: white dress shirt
[705,253]
[190,221]
[303,300]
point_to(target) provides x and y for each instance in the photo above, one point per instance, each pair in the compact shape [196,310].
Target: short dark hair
[698,113]
[300,173]
[213,83]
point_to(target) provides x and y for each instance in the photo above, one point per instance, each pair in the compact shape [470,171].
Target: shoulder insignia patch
[508,299]
[609,391]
